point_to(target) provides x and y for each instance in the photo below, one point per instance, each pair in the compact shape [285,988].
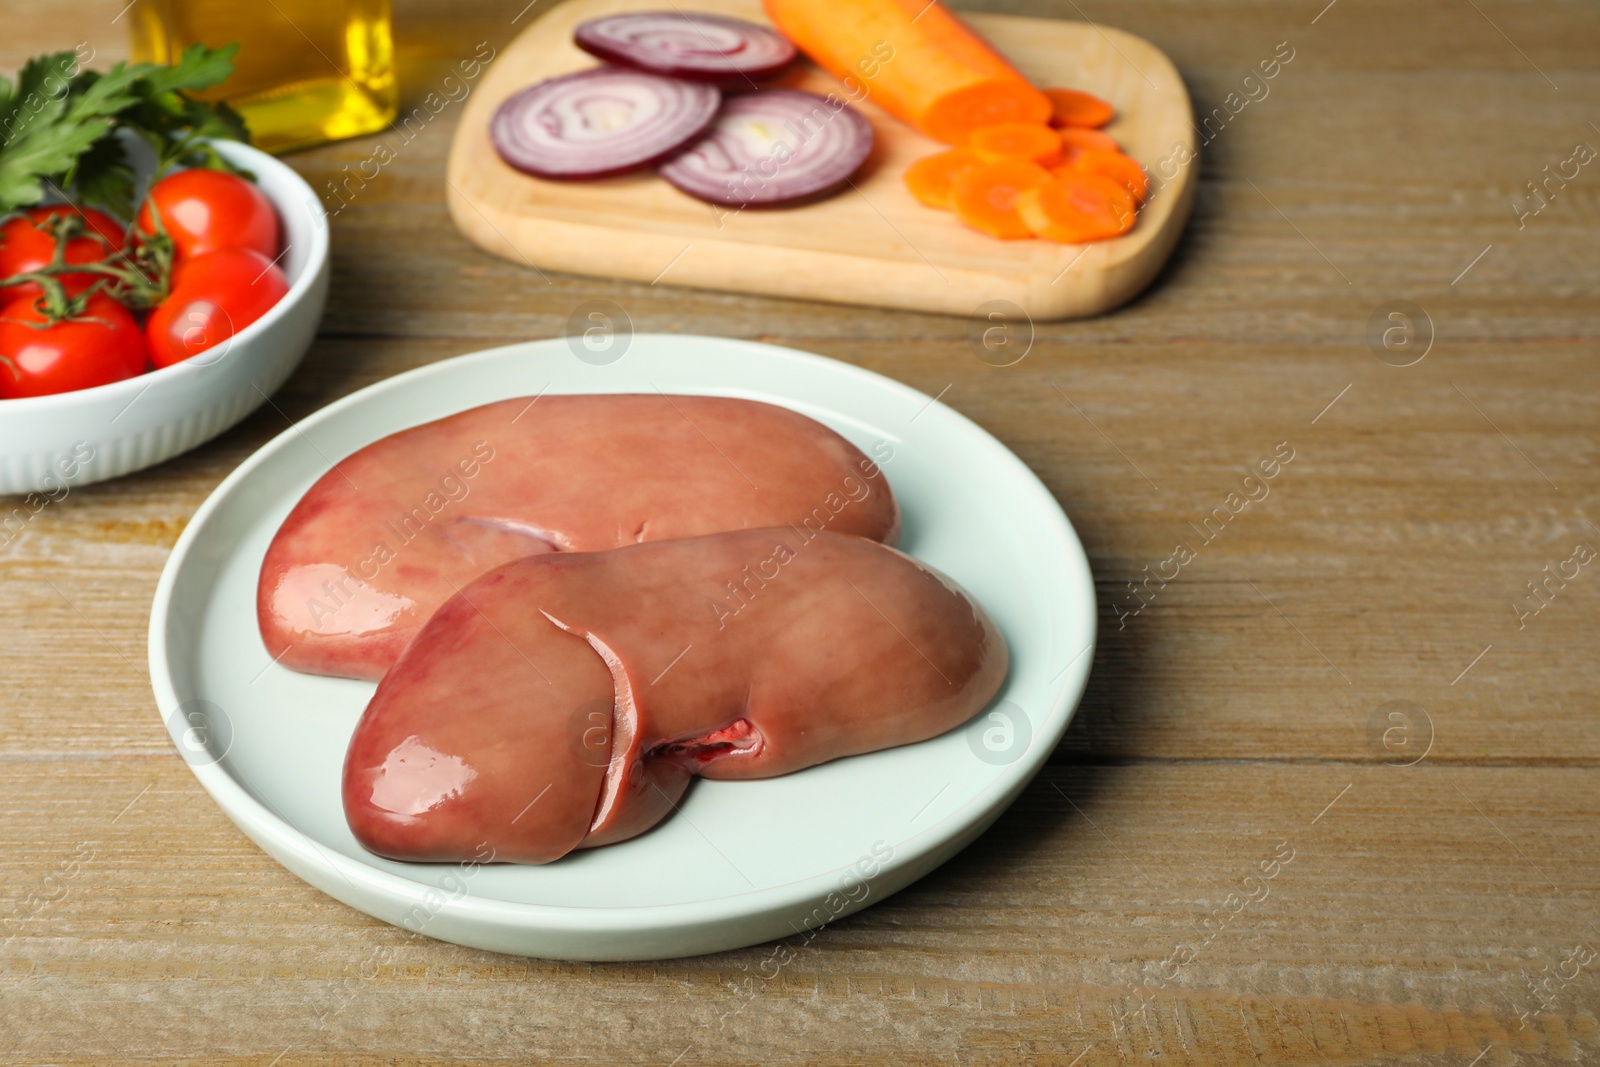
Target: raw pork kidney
[392,531]
[564,701]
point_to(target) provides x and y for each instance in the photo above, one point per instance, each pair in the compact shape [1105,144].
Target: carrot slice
[985,196]
[952,117]
[1076,206]
[1076,138]
[1073,107]
[1017,140]
[1117,166]
[929,178]
[914,59]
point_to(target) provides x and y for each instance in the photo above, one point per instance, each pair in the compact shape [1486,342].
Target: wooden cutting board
[873,244]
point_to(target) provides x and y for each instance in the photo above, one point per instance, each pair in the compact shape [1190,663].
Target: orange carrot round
[985,196]
[914,59]
[1017,140]
[929,178]
[1076,206]
[1076,138]
[1073,107]
[952,117]
[1117,166]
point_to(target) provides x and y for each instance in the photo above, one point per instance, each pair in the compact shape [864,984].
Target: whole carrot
[914,59]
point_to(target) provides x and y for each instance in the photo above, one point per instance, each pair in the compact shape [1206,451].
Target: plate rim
[257,819]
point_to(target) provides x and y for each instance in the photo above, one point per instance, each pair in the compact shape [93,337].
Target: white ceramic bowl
[90,435]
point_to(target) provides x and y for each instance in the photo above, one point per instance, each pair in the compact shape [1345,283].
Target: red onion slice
[600,122]
[702,47]
[773,146]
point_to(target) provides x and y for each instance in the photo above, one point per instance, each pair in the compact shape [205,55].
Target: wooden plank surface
[1438,913]
[873,244]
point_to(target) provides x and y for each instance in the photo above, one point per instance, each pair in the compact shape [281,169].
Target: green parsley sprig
[59,126]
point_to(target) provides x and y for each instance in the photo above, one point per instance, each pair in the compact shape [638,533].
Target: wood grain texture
[870,244]
[1426,914]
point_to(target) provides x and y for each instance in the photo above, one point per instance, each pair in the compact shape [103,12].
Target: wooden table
[1328,800]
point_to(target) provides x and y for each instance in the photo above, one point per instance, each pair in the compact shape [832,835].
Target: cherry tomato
[103,345]
[204,210]
[25,247]
[213,297]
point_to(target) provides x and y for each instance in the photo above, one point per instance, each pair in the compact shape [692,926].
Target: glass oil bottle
[307,71]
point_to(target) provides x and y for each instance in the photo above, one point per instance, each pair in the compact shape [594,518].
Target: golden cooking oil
[307,71]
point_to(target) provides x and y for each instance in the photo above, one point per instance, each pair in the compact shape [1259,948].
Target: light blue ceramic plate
[742,862]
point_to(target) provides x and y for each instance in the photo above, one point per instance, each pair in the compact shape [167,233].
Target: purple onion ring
[600,122]
[772,147]
[687,45]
